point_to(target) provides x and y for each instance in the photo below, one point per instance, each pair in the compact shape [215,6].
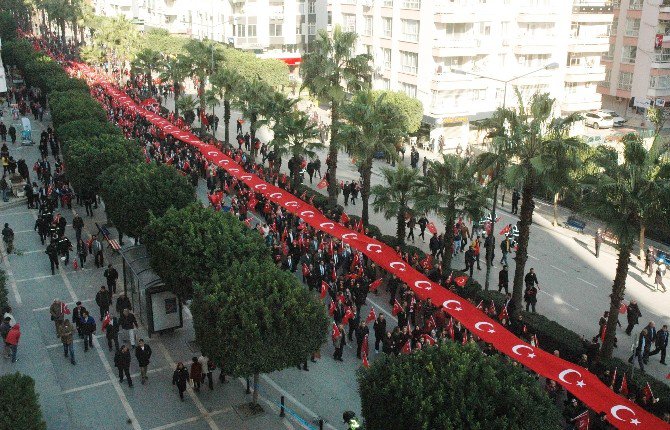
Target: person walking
[339,341]
[103,299]
[661,343]
[143,354]
[96,250]
[470,260]
[515,201]
[5,326]
[180,379]
[77,314]
[129,324]
[423,223]
[379,328]
[112,332]
[66,334]
[639,350]
[211,367]
[649,261]
[658,279]
[12,340]
[346,192]
[411,223]
[651,338]
[505,247]
[78,225]
[196,374]
[87,329]
[8,238]
[122,360]
[82,252]
[361,331]
[57,314]
[530,294]
[111,275]
[598,240]
[633,315]
[503,280]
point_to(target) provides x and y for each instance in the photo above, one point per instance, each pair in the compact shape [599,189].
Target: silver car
[598,120]
[618,120]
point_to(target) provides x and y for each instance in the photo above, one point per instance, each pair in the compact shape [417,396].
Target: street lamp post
[491,243]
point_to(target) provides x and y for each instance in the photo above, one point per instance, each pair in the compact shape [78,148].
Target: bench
[575,224]
[610,237]
[112,243]
[662,256]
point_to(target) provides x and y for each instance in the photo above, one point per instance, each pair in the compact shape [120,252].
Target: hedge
[20,407]
[85,129]
[4,299]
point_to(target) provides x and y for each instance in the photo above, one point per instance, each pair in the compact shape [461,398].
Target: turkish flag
[365,348]
[344,218]
[503,314]
[427,263]
[303,196]
[106,321]
[613,378]
[371,316]
[360,227]
[430,324]
[623,308]
[324,289]
[305,270]
[396,308]
[450,278]
[336,331]
[492,308]
[322,184]
[582,421]
[347,315]
[506,229]
[331,309]
[432,228]
[461,280]
[366,364]
[407,348]
[624,386]
[248,222]
[480,306]
[465,338]
[429,339]
[647,393]
[64,309]
[375,284]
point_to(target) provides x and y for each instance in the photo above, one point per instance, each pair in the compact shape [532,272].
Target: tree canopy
[452,387]
[20,408]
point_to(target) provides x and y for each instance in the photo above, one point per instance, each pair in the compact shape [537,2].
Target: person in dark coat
[87,329]
[196,374]
[379,328]
[661,343]
[180,379]
[103,299]
[361,331]
[77,314]
[122,362]
[112,333]
[633,315]
[503,280]
[143,354]
[111,275]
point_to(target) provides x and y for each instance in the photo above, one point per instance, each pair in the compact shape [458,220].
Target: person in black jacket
[379,328]
[180,379]
[143,354]
[87,329]
[52,252]
[112,333]
[640,349]
[633,315]
[103,299]
[661,343]
[122,362]
[503,280]
[123,302]
[77,314]
[361,331]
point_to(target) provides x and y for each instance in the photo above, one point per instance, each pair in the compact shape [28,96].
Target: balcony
[534,44]
[589,44]
[585,74]
[458,47]
[592,7]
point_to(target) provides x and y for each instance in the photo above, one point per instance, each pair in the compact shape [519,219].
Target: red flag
[492,308]
[429,339]
[64,309]
[331,309]
[305,270]
[324,289]
[427,262]
[75,265]
[334,275]
[347,316]
[303,196]
[506,229]
[647,393]
[480,306]
[624,386]
[623,308]
[603,331]
[248,222]
[465,338]
[450,278]
[396,308]
[106,321]
[430,324]
[344,218]
[407,348]
[613,378]
[336,331]
[582,421]
[525,329]
[371,316]
[366,364]
[360,227]
[503,314]
[322,184]
[667,376]
[432,228]
[461,280]
[364,346]
[374,285]
[452,335]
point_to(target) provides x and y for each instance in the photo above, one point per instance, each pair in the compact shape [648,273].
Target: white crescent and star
[291,204]
[372,246]
[304,214]
[245,177]
[566,372]
[276,195]
[447,302]
[349,236]
[398,263]
[516,349]
[260,186]
[615,413]
[419,284]
[484,323]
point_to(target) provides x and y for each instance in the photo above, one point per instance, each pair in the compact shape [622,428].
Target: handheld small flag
[376,284]
[371,316]
[396,308]
[324,289]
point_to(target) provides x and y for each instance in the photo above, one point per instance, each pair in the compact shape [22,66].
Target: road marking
[560,270]
[37,278]
[559,300]
[192,419]
[10,274]
[71,303]
[101,383]
[533,257]
[19,213]
[587,282]
[56,345]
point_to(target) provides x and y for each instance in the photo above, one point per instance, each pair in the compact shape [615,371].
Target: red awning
[291,61]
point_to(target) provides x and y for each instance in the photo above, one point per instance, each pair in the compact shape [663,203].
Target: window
[387,3]
[275,30]
[610,53]
[636,5]
[625,81]
[485,28]
[241,31]
[410,30]
[411,4]
[311,7]
[632,27]
[298,30]
[408,89]
[660,82]
[387,25]
[608,78]
[311,28]
[458,31]
[349,22]
[386,84]
[628,54]
[367,31]
[409,62]
[478,95]
[387,58]
[251,30]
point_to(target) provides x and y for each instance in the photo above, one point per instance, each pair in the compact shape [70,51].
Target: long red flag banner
[621,413]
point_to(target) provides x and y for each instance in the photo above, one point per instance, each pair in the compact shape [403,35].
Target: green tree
[249,67]
[373,123]
[254,102]
[227,83]
[208,240]
[255,318]
[626,196]
[86,159]
[20,408]
[133,191]
[203,56]
[118,38]
[85,129]
[450,189]
[174,70]
[394,198]
[330,71]
[161,40]
[459,388]
[145,62]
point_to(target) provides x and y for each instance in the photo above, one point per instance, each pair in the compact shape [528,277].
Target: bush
[19,408]
[85,129]
[4,300]
[73,105]
[457,388]
[7,27]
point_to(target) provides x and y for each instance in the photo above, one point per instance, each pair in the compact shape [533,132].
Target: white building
[273,28]
[417,43]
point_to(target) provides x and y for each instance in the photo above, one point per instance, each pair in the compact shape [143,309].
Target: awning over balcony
[291,61]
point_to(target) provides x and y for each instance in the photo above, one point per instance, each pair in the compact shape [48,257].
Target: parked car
[616,118]
[598,120]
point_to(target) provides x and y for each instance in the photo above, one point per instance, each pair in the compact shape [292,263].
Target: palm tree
[253,101]
[625,197]
[187,105]
[394,198]
[226,82]
[371,125]
[204,58]
[174,70]
[145,61]
[329,72]
[451,189]
[533,138]
[297,136]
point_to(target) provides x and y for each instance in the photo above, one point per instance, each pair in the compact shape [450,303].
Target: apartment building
[417,45]
[638,60]
[272,28]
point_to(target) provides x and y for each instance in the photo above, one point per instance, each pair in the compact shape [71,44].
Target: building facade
[417,44]
[638,59]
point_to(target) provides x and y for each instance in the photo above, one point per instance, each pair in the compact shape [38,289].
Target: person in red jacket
[12,339]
